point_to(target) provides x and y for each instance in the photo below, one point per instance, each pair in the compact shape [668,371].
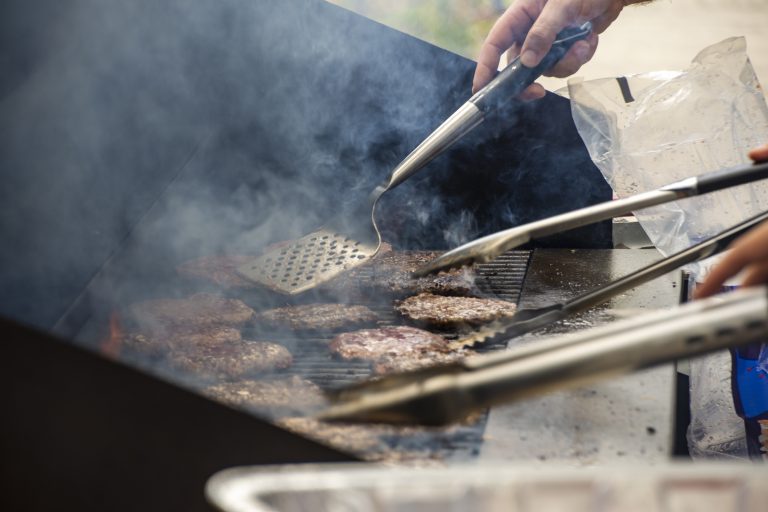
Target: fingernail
[529,58]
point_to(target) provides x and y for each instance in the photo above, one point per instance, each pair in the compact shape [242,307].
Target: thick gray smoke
[198,127]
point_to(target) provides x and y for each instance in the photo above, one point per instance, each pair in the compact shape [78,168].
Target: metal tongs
[489,247]
[531,319]
[452,394]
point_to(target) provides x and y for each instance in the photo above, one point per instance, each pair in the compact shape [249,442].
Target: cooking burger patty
[294,394]
[220,270]
[442,311]
[396,349]
[397,364]
[160,342]
[390,274]
[375,344]
[393,271]
[234,361]
[316,317]
[202,309]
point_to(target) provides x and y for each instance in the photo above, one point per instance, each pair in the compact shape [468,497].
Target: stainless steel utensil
[489,247]
[695,328]
[532,319]
[349,240]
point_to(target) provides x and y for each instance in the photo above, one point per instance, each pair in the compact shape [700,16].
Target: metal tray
[366,488]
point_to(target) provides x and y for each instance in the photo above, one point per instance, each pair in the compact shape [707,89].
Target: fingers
[533,92]
[555,16]
[727,268]
[748,252]
[759,154]
[508,29]
[757,274]
[577,56]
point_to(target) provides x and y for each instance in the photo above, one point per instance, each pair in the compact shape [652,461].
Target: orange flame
[110,346]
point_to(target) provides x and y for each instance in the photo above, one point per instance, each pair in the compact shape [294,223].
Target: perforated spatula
[350,239]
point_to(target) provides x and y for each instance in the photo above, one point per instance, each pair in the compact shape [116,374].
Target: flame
[110,346]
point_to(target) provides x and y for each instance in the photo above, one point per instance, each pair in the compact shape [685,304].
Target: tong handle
[514,78]
[731,177]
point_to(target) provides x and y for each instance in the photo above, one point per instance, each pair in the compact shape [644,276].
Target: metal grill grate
[503,278]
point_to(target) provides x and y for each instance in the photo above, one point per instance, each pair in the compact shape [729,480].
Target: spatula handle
[514,78]
[502,89]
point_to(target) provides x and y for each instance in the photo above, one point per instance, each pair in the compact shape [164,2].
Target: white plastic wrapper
[648,130]
[670,125]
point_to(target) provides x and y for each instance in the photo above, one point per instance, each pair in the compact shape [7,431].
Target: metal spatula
[351,239]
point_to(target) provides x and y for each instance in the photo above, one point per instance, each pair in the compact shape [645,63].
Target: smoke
[145,133]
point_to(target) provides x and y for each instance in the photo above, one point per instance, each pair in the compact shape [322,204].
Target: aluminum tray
[367,488]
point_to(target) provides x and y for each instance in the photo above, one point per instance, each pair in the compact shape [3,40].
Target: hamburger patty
[199,310]
[218,270]
[235,361]
[316,317]
[375,344]
[160,342]
[361,439]
[441,311]
[293,394]
[396,349]
[390,274]
[395,364]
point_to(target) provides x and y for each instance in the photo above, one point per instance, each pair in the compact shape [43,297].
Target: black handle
[732,177]
[514,78]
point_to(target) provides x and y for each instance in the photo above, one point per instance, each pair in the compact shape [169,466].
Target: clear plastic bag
[652,129]
[664,126]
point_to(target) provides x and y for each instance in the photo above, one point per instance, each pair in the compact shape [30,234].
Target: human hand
[542,20]
[749,253]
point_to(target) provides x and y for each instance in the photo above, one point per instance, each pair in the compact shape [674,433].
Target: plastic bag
[648,130]
[652,129]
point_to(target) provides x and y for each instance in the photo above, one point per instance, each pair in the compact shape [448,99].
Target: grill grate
[503,278]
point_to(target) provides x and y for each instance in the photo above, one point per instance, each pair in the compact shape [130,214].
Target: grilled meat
[199,310]
[450,312]
[396,349]
[218,270]
[316,317]
[162,341]
[359,439]
[277,397]
[380,443]
[234,361]
[395,364]
[375,344]
[390,274]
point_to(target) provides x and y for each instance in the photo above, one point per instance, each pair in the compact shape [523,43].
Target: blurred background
[659,35]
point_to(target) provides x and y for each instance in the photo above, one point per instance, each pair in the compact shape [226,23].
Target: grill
[502,278]
[180,142]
